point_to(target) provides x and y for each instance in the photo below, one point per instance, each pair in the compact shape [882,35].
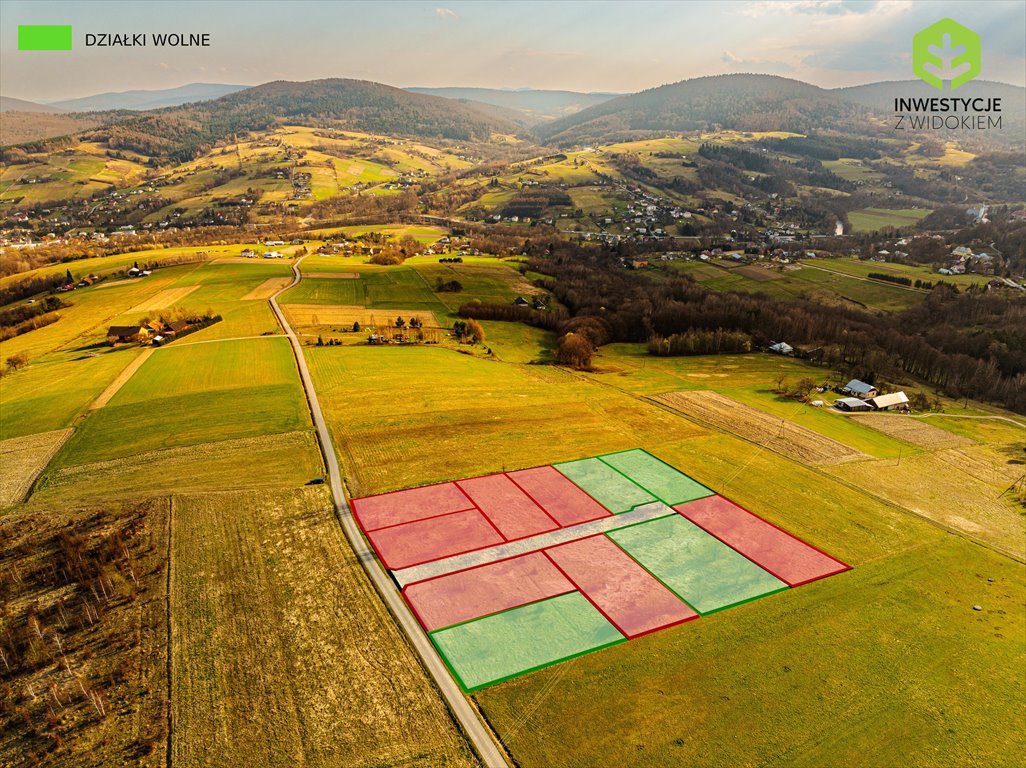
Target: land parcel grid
[512,572]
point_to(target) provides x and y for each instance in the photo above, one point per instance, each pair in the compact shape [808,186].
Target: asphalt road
[480,737]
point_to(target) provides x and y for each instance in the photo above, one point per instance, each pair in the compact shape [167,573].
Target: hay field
[22,459]
[958,487]
[285,460]
[912,431]
[164,299]
[326,314]
[282,652]
[332,275]
[403,416]
[267,289]
[779,435]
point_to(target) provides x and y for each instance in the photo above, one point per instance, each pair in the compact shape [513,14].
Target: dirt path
[476,731]
[121,380]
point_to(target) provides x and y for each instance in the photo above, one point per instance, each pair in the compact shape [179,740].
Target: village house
[896,401]
[126,334]
[860,389]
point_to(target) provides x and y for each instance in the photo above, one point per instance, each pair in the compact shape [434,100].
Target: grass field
[825,286]
[859,268]
[50,394]
[901,615]
[873,219]
[195,394]
[282,653]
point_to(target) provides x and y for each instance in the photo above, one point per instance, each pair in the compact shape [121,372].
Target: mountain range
[743,102]
[142,100]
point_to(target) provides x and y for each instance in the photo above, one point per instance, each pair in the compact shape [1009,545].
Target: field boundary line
[480,737]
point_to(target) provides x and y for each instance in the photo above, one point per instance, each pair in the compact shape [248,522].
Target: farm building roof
[123,330]
[859,387]
[852,403]
[888,401]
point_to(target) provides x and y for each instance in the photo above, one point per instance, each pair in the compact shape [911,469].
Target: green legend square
[44,37]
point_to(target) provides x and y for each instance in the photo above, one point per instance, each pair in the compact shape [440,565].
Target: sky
[577,45]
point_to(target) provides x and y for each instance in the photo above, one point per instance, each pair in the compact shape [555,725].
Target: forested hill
[738,102]
[181,133]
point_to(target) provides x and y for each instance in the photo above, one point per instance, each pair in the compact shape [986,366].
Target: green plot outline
[528,670]
[602,458]
[783,588]
[592,494]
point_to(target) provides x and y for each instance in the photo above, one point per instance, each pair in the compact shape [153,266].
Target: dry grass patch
[333,275]
[22,459]
[959,487]
[328,314]
[267,288]
[911,431]
[282,460]
[121,380]
[777,434]
[164,299]
[83,636]
[283,654]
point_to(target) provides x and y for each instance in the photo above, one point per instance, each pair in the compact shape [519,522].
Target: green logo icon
[44,37]
[946,52]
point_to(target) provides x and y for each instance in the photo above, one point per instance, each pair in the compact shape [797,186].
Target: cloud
[762,66]
[446,13]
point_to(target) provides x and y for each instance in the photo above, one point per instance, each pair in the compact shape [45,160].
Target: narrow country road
[480,737]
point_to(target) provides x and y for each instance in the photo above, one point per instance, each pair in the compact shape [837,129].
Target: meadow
[818,283]
[874,219]
[786,669]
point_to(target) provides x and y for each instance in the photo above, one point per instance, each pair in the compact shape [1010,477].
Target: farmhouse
[124,334]
[896,401]
[852,404]
[859,389]
[520,301]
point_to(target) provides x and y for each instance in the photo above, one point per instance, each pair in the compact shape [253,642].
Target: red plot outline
[367,534]
[844,566]
[605,615]
[405,590]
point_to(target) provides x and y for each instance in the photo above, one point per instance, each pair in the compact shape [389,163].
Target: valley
[279,363]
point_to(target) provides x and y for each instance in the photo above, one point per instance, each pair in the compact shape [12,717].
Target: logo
[44,37]
[946,52]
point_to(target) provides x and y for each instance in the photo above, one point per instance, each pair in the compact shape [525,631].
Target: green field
[606,485]
[703,571]
[515,642]
[817,283]
[51,394]
[873,219]
[863,268]
[661,480]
